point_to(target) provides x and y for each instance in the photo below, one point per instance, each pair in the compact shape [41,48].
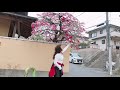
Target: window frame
[101,31]
[104,41]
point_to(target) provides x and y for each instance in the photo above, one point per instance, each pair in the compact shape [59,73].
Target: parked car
[75,58]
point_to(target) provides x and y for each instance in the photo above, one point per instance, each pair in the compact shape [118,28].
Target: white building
[98,36]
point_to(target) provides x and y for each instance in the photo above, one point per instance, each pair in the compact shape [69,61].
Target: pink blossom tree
[57,27]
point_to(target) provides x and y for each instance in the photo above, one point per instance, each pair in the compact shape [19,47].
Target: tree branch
[51,39]
[62,39]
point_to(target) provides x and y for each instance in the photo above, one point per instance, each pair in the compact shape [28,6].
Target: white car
[75,58]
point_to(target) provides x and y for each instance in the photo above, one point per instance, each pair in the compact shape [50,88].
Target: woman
[56,69]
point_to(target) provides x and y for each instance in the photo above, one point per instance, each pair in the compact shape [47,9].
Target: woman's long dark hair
[58,49]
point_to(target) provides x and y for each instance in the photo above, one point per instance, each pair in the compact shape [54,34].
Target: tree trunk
[60,33]
[55,39]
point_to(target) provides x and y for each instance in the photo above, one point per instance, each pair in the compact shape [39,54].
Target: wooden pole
[14,30]
[18,29]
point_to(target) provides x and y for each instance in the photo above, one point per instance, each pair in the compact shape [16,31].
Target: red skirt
[52,70]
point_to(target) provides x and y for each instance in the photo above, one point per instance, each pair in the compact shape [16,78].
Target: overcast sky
[91,18]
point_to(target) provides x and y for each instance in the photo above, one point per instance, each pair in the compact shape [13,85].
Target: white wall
[114,33]
[103,46]
[99,42]
[100,35]
[105,33]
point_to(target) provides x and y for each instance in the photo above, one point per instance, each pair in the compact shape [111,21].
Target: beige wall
[4,27]
[20,54]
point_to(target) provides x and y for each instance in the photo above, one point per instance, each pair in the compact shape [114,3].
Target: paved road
[76,70]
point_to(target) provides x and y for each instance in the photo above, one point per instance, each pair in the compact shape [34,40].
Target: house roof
[103,27]
[25,22]
[18,15]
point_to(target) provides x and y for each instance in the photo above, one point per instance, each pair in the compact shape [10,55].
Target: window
[94,42]
[95,34]
[101,31]
[90,35]
[103,41]
[114,42]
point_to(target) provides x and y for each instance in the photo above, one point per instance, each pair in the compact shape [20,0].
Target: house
[98,36]
[15,22]
[84,42]
[81,42]
[83,39]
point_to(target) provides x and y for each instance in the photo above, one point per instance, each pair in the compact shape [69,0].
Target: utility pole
[108,43]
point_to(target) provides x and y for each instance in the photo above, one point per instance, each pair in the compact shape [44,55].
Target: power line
[95,19]
[94,25]
[80,14]
[90,26]
[110,20]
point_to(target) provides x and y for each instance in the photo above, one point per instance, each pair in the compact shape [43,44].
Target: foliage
[27,71]
[83,44]
[56,27]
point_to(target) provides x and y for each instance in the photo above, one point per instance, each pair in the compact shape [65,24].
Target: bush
[83,45]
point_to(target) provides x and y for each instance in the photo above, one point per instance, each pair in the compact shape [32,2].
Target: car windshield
[75,54]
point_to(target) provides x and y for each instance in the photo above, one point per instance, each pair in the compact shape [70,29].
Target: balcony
[115,34]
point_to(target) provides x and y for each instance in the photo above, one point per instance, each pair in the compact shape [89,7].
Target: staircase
[93,58]
[117,65]
[89,55]
[101,61]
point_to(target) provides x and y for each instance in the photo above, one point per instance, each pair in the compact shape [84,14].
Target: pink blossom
[53,27]
[63,19]
[69,24]
[33,25]
[33,32]
[70,36]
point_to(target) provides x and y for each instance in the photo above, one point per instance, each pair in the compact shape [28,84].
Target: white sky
[91,18]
